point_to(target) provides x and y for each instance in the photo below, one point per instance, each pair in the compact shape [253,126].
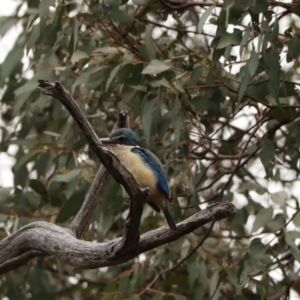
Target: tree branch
[50,239]
[112,164]
[179,263]
[42,238]
[84,217]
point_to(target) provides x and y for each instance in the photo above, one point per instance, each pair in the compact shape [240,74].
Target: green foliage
[211,89]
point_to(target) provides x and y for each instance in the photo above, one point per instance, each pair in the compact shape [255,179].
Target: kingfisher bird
[145,167]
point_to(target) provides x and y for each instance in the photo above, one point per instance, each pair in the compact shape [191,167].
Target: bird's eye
[121,138]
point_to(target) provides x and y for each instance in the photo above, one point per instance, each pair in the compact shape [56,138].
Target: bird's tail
[169,218]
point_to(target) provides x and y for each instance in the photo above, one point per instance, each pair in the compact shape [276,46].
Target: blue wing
[153,162]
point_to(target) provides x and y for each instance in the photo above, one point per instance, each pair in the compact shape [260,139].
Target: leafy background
[212,88]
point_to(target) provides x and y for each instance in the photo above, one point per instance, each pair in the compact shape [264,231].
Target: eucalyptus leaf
[230,39]
[263,217]
[293,247]
[155,67]
[67,177]
[266,155]
[203,18]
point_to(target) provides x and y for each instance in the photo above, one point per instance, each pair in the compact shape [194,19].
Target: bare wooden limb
[84,217]
[109,160]
[50,239]
[42,238]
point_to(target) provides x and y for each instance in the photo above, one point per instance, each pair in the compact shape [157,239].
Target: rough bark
[42,238]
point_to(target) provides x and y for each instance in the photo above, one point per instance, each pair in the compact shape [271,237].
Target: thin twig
[174,267]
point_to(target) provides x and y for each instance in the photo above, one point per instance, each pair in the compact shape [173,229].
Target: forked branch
[42,238]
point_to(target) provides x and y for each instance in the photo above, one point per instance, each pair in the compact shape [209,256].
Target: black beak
[108,141]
